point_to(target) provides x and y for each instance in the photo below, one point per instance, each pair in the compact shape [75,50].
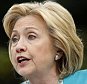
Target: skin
[31,39]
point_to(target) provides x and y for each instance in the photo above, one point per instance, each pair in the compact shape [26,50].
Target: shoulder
[79,77]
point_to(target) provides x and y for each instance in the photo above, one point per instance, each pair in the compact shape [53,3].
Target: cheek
[44,57]
[12,55]
[44,52]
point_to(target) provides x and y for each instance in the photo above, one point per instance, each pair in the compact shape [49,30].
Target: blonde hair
[61,28]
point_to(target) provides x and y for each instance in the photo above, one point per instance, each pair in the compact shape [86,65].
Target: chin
[25,72]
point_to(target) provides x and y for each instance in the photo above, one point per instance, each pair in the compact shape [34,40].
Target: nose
[21,47]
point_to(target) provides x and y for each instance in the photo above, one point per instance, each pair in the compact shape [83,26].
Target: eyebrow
[14,31]
[30,28]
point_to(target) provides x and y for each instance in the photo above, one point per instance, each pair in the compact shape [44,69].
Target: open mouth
[22,59]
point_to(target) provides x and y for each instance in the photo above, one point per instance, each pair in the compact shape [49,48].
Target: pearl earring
[56,57]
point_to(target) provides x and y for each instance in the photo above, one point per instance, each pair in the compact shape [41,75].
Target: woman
[44,47]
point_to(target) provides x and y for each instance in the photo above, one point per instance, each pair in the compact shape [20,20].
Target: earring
[56,57]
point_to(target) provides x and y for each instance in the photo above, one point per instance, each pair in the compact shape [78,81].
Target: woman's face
[32,48]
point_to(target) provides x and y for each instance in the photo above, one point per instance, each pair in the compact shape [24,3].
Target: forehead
[30,21]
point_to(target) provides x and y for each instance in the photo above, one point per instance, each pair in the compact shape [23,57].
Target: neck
[44,80]
[50,77]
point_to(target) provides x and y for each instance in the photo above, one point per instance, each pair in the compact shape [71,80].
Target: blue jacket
[79,77]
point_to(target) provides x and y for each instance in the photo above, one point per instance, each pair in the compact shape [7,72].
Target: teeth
[21,59]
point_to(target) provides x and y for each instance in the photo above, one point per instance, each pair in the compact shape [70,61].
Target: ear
[58,55]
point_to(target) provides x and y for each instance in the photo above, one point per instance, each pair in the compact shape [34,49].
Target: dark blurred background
[78,9]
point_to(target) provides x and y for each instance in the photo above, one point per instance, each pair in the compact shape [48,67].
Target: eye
[14,39]
[31,36]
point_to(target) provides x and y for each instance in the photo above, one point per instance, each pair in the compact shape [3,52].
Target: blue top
[79,77]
